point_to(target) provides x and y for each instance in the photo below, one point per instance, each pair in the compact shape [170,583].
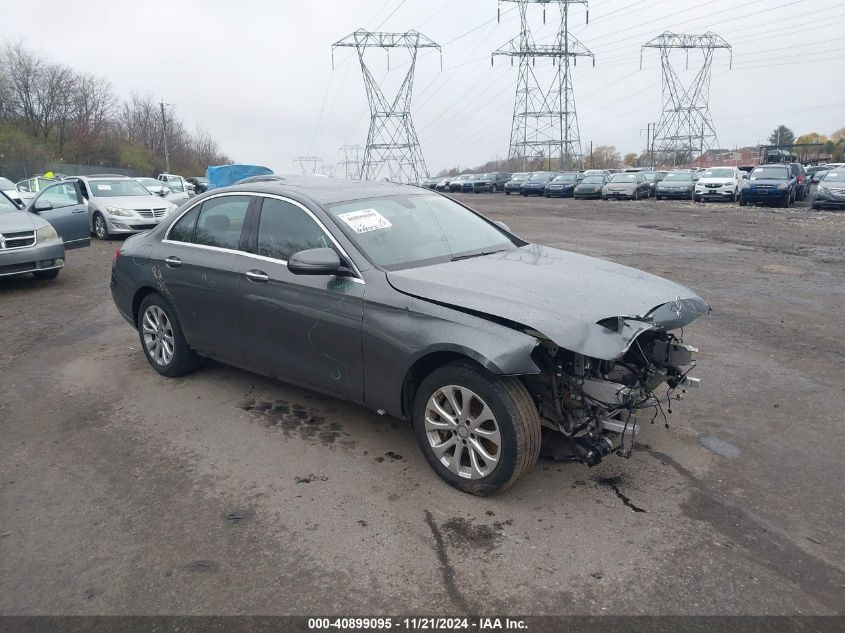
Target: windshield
[718,173]
[834,176]
[490,176]
[540,175]
[6,184]
[459,178]
[149,182]
[397,232]
[566,178]
[678,177]
[623,178]
[650,176]
[6,205]
[593,180]
[518,177]
[117,188]
[476,177]
[770,173]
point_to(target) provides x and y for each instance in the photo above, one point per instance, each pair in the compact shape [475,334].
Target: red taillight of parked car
[800,179]
[116,256]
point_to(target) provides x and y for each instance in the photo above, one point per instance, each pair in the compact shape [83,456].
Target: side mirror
[314,261]
[162,192]
[503,225]
[42,205]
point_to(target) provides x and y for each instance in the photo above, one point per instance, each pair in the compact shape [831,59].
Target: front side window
[64,195]
[285,229]
[220,221]
[401,231]
[23,185]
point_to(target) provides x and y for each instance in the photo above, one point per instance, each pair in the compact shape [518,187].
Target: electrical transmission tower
[685,129]
[351,161]
[309,164]
[393,149]
[545,123]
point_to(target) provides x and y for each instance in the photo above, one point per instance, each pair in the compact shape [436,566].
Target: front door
[197,269]
[67,212]
[304,329]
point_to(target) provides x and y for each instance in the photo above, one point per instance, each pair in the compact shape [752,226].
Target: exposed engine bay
[596,406]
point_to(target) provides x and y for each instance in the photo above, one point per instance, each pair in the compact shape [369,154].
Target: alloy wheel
[100,228]
[158,335]
[463,432]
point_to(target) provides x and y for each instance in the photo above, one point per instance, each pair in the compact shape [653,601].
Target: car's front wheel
[479,432]
[162,339]
[101,228]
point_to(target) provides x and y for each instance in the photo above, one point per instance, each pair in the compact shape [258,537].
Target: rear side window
[220,221]
[285,229]
[183,230]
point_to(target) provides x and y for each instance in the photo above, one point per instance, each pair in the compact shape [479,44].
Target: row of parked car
[778,183]
[43,216]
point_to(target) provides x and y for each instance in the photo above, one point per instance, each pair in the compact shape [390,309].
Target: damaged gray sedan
[413,305]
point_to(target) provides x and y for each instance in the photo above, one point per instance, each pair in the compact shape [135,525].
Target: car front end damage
[592,408]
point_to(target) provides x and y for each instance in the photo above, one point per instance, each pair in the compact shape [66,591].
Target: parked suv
[769,184]
[719,183]
[457,182]
[802,187]
[492,181]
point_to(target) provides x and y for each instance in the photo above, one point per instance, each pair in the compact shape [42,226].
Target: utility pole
[545,122]
[164,133]
[392,143]
[351,161]
[686,127]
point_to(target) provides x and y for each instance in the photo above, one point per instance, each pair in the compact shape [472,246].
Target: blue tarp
[225,175]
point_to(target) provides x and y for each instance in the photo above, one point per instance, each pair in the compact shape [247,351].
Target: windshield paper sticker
[103,187]
[365,220]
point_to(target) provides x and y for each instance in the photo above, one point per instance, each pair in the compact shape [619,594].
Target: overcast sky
[257,74]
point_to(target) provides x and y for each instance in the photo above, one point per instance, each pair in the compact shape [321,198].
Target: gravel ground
[227,493]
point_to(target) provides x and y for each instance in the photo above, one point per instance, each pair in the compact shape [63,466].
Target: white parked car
[177,183]
[166,190]
[719,183]
[8,187]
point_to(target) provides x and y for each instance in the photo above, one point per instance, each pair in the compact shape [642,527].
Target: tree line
[53,114]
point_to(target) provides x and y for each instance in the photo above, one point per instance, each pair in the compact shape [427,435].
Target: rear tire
[499,407]
[742,201]
[47,274]
[162,339]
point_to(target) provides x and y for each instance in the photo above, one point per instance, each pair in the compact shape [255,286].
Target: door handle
[172,262]
[257,276]
[79,211]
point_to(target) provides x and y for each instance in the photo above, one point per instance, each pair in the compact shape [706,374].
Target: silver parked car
[34,240]
[121,205]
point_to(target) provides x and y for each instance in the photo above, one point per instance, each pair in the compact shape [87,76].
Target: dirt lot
[224,492]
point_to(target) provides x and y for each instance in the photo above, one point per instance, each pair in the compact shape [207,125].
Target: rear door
[67,211]
[197,269]
[304,329]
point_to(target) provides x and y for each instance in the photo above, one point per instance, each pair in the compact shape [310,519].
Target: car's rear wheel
[658,198]
[101,227]
[47,274]
[479,432]
[162,339]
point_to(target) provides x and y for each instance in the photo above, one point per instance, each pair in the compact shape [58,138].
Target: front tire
[101,227]
[162,339]
[479,432]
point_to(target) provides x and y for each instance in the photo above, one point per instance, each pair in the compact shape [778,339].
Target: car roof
[324,190]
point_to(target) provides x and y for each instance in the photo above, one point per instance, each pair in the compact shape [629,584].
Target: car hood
[767,181]
[716,181]
[560,294]
[151,201]
[15,221]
